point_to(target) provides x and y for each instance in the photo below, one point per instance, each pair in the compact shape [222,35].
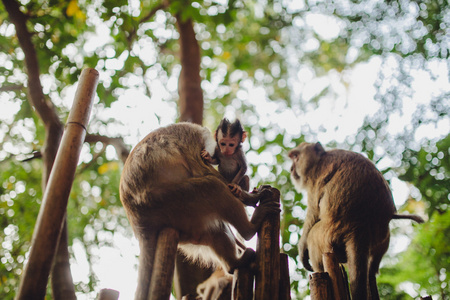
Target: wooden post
[267,277]
[319,286]
[331,266]
[285,284]
[108,294]
[33,283]
[243,283]
[164,264]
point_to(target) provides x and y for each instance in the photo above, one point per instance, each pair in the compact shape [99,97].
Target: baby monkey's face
[227,145]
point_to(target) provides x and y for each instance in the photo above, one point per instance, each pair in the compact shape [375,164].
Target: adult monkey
[165,183]
[349,209]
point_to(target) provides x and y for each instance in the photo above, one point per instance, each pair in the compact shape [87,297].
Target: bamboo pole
[108,294]
[243,283]
[164,265]
[285,284]
[52,213]
[331,266]
[267,276]
[319,286]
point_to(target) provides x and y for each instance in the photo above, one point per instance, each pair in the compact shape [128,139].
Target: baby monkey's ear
[294,153]
[244,136]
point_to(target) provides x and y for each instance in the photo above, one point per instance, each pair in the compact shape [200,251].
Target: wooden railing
[333,283]
[267,278]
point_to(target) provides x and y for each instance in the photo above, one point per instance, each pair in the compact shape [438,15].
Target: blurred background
[368,76]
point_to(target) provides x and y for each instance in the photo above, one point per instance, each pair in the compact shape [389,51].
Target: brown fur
[229,156]
[350,206]
[165,183]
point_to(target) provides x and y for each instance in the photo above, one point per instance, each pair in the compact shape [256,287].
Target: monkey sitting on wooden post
[166,184]
[350,206]
[229,156]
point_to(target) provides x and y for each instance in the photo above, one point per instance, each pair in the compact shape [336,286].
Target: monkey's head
[304,157]
[229,136]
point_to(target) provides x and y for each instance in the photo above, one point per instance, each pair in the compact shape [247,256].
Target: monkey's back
[354,191]
[162,161]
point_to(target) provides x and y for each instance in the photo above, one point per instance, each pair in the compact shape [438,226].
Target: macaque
[165,183]
[350,206]
[229,156]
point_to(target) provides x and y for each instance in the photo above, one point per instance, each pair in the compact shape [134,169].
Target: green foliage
[20,199]
[429,170]
[431,274]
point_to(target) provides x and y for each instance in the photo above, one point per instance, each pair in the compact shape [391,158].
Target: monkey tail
[411,217]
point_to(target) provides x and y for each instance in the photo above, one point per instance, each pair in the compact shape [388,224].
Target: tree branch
[116,142]
[132,33]
[44,108]
[10,88]
[121,149]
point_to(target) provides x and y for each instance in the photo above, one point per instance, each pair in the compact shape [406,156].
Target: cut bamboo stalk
[243,283]
[108,294]
[164,264]
[331,266]
[318,285]
[285,284]
[52,213]
[267,276]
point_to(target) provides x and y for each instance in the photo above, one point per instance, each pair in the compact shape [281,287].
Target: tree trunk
[61,275]
[189,83]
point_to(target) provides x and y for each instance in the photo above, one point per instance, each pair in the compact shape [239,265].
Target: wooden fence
[333,283]
[266,279]
[270,274]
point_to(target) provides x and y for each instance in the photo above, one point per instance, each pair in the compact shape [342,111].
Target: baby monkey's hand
[205,155]
[235,189]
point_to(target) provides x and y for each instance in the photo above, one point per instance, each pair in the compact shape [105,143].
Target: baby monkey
[229,156]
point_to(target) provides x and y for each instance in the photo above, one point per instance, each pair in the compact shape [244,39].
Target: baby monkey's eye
[231,145]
